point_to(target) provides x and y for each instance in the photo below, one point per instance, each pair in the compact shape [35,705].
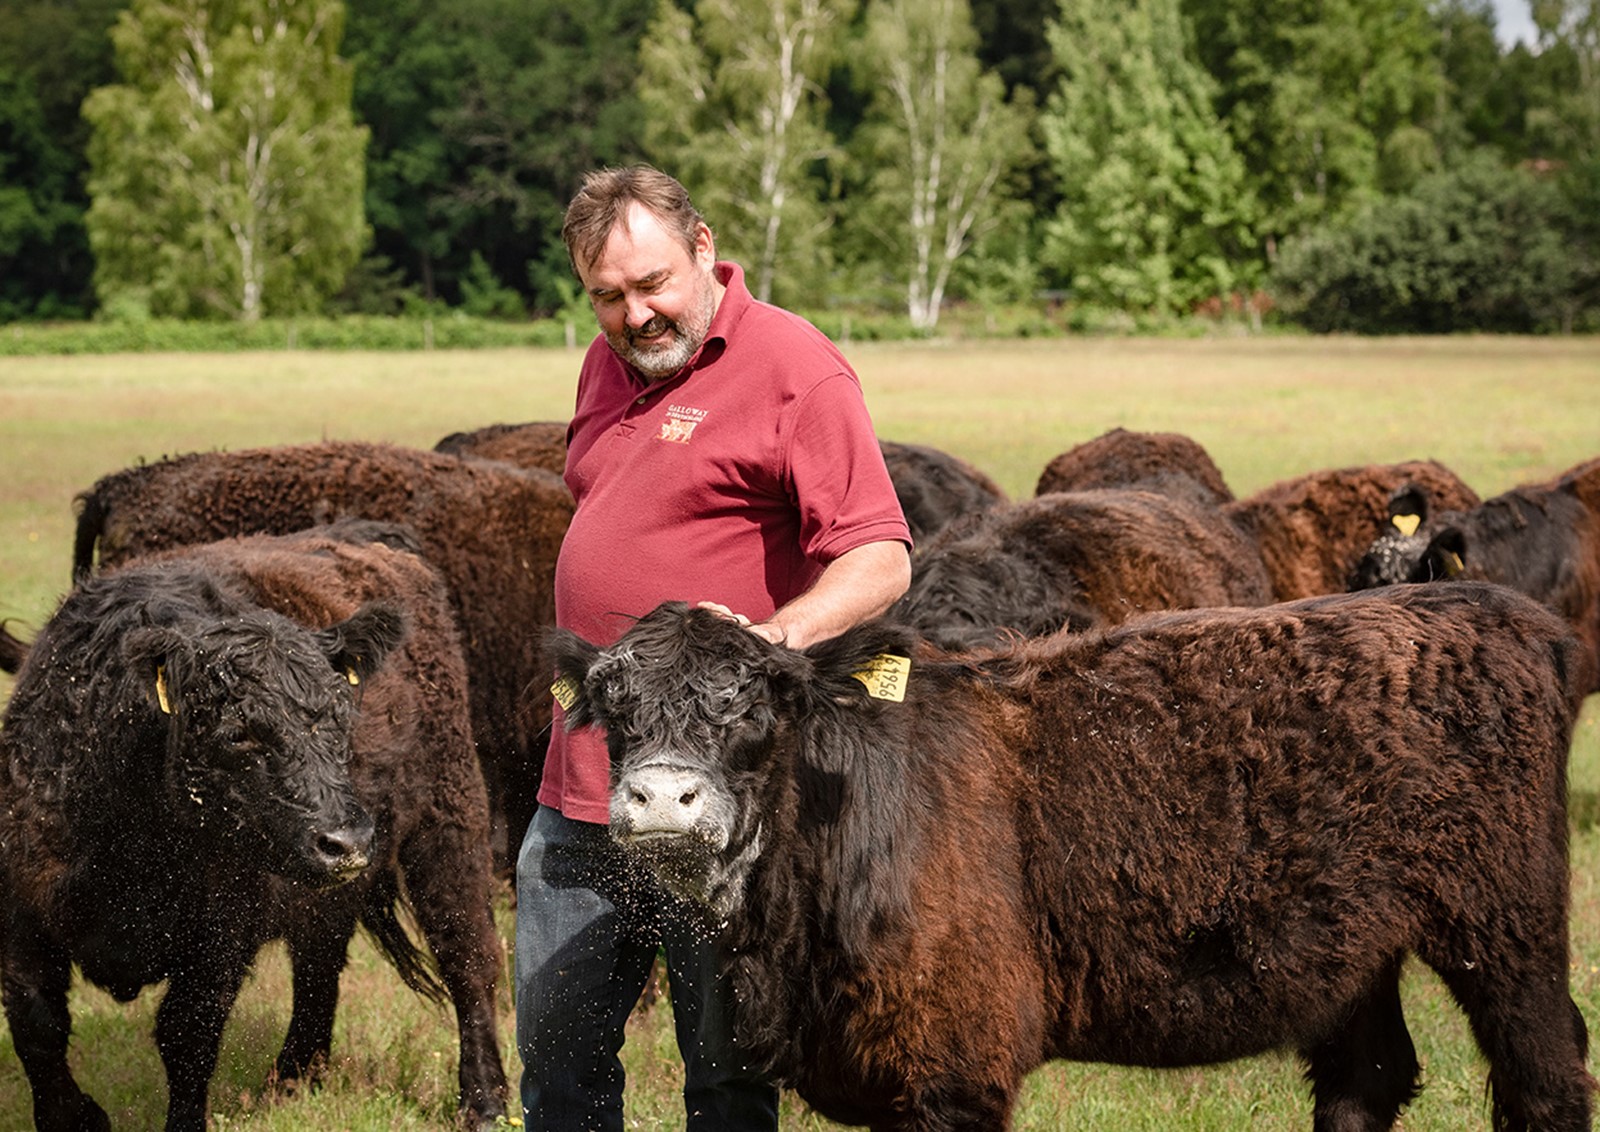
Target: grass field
[1497,411]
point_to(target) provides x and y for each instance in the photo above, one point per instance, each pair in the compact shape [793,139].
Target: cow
[532,444]
[491,529]
[1540,538]
[1074,560]
[1167,462]
[1192,837]
[257,739]
[1313,529]
[936,488]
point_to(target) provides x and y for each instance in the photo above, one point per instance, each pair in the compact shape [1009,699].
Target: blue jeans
[588,928]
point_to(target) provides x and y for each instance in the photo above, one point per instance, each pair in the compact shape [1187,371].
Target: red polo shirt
[736,480]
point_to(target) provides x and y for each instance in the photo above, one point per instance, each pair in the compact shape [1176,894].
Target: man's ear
[570,657]
[705,246]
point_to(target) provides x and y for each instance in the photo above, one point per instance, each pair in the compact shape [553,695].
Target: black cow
[935,488]
[1197,836]
[1540,538]
[243,741]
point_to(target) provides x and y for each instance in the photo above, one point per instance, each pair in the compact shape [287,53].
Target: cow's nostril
[639,797]
[687,799]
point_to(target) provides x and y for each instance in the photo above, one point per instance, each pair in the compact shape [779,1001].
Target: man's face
[654,299]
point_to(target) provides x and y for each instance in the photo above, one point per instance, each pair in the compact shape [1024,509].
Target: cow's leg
[317,957]
[1363,1075]
[447,874]
[1532,1035]
[189,1026]
[34,977]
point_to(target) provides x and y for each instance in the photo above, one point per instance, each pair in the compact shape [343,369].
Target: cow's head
[260,712]
[707,724]
[1401,544]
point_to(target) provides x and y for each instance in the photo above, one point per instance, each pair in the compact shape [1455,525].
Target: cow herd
[1129,774]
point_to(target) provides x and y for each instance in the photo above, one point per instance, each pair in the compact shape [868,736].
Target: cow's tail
[91,525]
[381,919]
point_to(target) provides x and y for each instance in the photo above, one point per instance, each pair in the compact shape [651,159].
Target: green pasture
[1498,411]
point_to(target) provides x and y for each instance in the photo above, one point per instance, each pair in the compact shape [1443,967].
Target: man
[720,452]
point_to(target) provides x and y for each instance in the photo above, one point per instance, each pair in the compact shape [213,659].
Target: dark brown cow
[492,530]
[1166,462]
[935,488]
[1541,538]
[533,444]
[261,739]
[1077,559]
[1195,837]
[1313,529]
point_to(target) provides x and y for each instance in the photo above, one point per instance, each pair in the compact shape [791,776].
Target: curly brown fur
[222,745]
[492,530]
[1193,837]
[1166,462]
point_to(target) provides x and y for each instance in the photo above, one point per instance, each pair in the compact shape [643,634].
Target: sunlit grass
[1497,411]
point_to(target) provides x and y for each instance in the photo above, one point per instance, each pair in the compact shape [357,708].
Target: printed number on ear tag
[885,677]
[565,690]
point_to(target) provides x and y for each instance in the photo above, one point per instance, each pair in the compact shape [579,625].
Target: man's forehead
[638,247]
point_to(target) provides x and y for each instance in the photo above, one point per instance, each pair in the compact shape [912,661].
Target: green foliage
[1311,92]
[484,296]
[1155,215]
[733,96]
[226,170]
[50,55]
[1480,247]
[134,332]
[942,145]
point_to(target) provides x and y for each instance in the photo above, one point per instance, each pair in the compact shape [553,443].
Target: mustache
[656,325]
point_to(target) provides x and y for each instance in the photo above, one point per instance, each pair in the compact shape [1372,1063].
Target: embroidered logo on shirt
[680,423]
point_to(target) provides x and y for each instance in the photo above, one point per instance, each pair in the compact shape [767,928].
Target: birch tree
[940,140]
[226,171]
[734,105]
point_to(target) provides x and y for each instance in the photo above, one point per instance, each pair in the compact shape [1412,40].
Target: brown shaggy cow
[492,530]
[1540,538]
[1167,462]
[1313,529]
[1194,837]
[1077,559]
[533,444]
[259,739]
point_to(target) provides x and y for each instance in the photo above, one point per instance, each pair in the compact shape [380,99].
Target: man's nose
[639,311]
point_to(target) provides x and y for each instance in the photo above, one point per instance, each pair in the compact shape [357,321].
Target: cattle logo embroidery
[885,677]
[680,423]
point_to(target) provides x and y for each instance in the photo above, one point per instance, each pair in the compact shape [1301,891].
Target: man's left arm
[858,585]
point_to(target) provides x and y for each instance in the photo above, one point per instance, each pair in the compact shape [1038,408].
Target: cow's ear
[1408,508]
[159,659]
[570,657]
[1446,557]
[359,645]
[870,661]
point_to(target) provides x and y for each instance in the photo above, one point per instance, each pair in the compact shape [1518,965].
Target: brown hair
[603,200]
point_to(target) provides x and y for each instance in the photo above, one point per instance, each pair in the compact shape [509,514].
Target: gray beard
[656,362]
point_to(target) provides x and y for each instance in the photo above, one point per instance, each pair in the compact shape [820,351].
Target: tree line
[1368,165]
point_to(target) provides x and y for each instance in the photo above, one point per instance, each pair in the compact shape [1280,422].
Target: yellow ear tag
[885,677]
[161,689]
[1406,524]
[1453,564]
[353,676]
[565,690]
